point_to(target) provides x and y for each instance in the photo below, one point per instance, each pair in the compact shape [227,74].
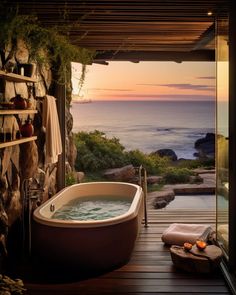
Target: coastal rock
[206,146]
[154,179]
[125,173]
[161,199]
[167,153]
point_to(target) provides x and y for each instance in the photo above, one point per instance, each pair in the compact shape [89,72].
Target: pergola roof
[135,29]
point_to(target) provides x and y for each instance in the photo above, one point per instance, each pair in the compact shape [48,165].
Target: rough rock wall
[71,151]
[24,161]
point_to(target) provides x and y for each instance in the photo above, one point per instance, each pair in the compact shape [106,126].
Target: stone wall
[20,162]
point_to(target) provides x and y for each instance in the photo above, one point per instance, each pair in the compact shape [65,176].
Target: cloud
[110,89]
[206,77]
[184,86]
[189,97]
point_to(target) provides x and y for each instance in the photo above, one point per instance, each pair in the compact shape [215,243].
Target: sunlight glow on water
[99,208]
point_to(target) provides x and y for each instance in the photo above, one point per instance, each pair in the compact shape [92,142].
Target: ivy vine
[45,45]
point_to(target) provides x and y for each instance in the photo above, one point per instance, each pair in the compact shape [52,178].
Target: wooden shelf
[17,112]
[17,141]
[16,78]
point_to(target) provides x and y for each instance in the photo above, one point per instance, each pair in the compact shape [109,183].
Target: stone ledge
[204,171]
[207,187]
[161,199]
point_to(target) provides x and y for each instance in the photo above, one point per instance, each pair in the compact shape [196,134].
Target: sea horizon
[141,100]
[148,125]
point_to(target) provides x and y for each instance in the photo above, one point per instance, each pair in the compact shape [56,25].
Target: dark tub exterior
[88,245]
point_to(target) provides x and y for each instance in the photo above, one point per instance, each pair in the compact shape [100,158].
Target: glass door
[222,138]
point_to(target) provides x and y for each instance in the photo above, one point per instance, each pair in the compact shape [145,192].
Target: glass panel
[222,133]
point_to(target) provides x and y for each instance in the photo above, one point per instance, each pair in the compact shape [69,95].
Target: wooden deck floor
[150,270]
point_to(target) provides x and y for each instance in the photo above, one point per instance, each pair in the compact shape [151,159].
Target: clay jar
[27,129]
[19,102]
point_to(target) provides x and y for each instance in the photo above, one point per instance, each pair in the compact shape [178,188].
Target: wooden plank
[163,275]
[150,269]
[17,112]
[16,78]
[17,141]
[87,288]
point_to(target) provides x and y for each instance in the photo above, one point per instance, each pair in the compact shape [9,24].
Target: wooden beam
[60,94]
[198,55]
[232,137]
[205,38]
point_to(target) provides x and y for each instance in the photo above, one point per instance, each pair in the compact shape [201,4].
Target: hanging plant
[45,45]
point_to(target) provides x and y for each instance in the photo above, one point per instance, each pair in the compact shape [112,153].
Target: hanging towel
[53,135]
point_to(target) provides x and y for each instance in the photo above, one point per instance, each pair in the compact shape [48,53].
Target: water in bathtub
[95,208]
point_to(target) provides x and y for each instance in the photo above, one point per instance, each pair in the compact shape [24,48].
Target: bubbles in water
[98,209]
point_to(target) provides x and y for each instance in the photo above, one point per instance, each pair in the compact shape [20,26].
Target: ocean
[148,125]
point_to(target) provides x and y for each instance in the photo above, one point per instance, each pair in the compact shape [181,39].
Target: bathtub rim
[130,214]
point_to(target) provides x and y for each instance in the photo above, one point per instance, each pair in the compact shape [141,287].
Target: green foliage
[46,45]
[151,162]
[10,286]
[96,152]
[70,179]
[154,187]
[196,163]
[177,175]
[97,176]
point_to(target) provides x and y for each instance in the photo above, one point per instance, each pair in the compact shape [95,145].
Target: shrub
[154,187]
[70,178]
[177,175]
[97,152]
[152,163]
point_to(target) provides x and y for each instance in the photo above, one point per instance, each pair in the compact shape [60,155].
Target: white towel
[179,233]
[53,135]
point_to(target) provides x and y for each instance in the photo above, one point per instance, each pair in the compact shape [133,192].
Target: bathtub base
[85,249]
[91,245]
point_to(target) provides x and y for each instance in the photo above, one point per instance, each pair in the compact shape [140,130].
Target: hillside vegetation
[96,153]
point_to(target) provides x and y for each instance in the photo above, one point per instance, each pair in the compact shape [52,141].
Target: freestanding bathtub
[95,245]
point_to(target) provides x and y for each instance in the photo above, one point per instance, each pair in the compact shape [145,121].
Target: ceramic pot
[27,129]
[19,102]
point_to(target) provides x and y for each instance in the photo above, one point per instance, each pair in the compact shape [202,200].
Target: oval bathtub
[92,245]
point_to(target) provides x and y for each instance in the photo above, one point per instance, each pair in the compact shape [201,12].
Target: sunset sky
[147,81]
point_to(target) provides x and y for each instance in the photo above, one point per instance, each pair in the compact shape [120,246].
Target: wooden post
[60,94]
[232,137]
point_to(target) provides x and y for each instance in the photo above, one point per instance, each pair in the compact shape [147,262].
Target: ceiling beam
[205,38]
[135,56]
